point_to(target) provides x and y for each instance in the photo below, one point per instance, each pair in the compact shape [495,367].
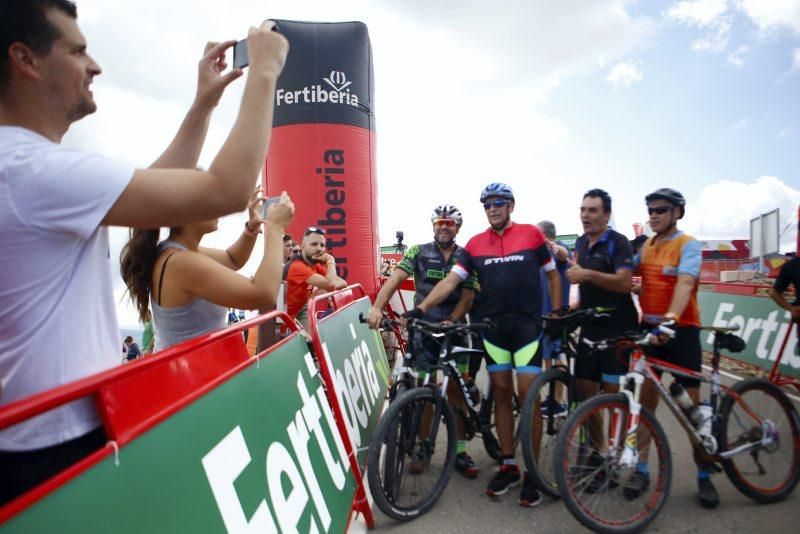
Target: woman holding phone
[191,287]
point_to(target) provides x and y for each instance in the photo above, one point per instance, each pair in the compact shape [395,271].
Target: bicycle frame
[775,375]
[644,367]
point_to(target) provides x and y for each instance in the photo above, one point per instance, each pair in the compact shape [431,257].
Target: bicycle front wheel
[412,454]
[603,492]
[546,405]
[762,415]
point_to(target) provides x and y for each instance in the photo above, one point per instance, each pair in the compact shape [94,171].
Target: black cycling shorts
[683,350]
[515,343]
[606,365]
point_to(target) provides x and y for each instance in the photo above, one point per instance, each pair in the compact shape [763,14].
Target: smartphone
[267,203]
[240,57]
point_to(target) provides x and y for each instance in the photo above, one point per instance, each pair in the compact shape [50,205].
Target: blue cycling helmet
[497,189]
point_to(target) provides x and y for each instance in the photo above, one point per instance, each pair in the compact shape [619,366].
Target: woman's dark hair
[136,267]
[26,21]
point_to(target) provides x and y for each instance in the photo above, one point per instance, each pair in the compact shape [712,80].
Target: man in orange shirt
[314,269]
[669,264]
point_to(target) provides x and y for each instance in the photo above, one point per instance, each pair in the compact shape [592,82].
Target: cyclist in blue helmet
[507,258]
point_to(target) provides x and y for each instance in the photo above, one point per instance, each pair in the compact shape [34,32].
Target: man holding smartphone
[56,204]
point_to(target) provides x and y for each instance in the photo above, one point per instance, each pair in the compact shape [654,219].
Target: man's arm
[171,197]
[184,150]
[618,282]
[440,291]
[389,287]
[554,286]
[781,301]
[681,296]
[464,304]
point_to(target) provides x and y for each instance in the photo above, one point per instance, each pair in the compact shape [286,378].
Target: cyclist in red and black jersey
[506,258]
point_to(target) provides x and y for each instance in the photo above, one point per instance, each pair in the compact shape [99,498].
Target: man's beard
[310,259]
[445,244]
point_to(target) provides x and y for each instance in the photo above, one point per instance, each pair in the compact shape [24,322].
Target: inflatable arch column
[322,150]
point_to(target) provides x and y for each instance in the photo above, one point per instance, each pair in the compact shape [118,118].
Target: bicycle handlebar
[434,328]
[637,338]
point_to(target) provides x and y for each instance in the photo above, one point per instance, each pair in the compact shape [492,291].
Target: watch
[249,231]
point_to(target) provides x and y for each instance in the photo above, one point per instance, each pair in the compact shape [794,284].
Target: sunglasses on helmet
[314,230]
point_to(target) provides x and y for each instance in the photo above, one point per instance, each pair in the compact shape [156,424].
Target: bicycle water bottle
[685,402]
[707,415]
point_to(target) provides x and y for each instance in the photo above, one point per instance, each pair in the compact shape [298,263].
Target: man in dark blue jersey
[507,258]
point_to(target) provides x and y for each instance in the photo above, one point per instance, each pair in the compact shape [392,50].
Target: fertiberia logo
[336,91]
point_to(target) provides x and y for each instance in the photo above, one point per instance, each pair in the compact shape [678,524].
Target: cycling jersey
[659,264]
[507,267]
[427,265]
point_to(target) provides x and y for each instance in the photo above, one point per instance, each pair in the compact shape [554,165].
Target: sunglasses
[494,203]
[661,210]
[450,223]
[314,230]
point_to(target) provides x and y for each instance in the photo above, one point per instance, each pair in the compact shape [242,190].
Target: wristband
[248,231]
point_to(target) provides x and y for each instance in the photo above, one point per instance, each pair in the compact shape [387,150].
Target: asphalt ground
[464,508]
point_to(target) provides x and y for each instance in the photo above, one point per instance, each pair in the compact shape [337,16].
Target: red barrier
[181,374]
[318,305]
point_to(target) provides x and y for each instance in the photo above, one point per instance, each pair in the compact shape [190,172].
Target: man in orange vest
[669,264]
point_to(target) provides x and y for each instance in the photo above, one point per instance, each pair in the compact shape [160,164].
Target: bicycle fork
[630,449]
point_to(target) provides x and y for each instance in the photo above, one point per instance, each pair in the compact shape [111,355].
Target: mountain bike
[752,429]
[552,397]
[413,449]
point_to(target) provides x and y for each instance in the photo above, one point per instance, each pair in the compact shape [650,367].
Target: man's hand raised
[211,82]
[266,49]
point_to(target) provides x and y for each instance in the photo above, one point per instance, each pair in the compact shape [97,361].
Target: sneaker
[507,477]
[550,405]
[529,497]
[709,498]
[465,465]
[636,485]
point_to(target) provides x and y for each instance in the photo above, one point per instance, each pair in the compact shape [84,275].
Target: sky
[553,98]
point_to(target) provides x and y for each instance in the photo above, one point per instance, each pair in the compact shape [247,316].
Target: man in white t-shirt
[57,313]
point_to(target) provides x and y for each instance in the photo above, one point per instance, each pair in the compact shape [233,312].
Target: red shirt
[297,287]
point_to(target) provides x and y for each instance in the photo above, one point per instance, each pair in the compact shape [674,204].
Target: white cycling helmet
[447,211]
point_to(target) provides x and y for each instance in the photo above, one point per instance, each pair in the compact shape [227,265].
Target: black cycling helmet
[497,189]
[671,196]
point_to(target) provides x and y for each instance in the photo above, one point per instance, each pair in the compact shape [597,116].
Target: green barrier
[259,453]
[359,369]
[760,322]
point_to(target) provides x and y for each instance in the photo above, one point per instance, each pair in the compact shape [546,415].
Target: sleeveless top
[174,325]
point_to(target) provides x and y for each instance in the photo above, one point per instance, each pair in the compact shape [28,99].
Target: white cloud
[735,57]
[716,40]
[740,124]
[723,209]
[784,132]
[700,13]
[796,60]
[773,15]
[624,74]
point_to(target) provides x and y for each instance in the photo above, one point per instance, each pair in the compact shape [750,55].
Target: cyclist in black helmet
[429,264]
[669,264]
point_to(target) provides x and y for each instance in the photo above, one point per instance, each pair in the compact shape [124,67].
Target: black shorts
[607,365]
[683,350]
[515,343]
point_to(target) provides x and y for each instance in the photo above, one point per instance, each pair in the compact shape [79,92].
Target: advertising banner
[761,324]
[259,453]
[359,369]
